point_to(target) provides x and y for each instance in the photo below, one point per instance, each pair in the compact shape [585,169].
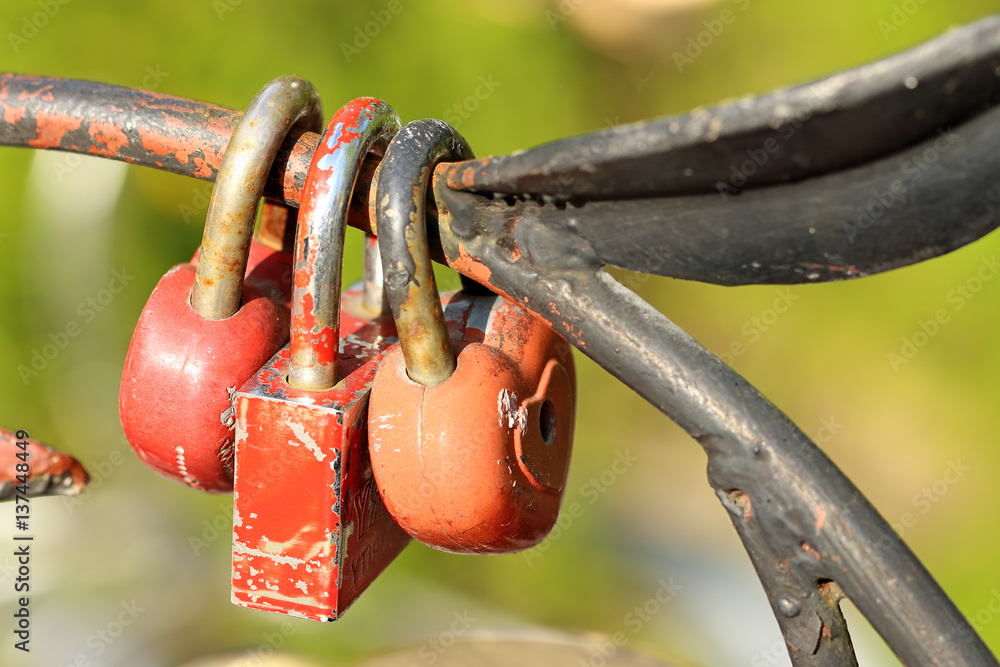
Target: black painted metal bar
[919,203]
[803,522]
[843,120]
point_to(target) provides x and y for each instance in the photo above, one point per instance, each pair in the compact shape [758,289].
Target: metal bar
[140,127]
[844,120]
[802,521]
[927,200]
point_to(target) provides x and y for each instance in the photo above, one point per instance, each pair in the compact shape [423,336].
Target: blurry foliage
[824,359]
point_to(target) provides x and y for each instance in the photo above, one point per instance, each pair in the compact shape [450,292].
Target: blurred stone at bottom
[556,650]
[242,659]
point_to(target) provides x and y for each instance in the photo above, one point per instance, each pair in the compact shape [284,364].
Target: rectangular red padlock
[310,530]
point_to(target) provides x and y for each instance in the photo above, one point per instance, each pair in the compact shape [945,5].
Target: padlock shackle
[401,214]
[359,127]
[282,104]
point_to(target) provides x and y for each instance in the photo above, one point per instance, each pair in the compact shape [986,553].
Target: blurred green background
[556,69]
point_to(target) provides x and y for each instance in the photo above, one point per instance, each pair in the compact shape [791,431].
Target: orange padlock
[471,453]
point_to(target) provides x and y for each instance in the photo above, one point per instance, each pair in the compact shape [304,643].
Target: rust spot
[51,128]
[108,134]
[831,591]
[809,549]
[742,502]
[820,518]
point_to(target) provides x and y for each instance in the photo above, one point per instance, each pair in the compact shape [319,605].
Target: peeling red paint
[12,114]
[52,128]
[110,135]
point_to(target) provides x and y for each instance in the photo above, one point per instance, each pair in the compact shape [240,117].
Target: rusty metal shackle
[400,210]
[352,132]
[282,104]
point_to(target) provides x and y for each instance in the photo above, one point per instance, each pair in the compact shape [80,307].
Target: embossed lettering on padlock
[469,455]
[310,531]
[204,330]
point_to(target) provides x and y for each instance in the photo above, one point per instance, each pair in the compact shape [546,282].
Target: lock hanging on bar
[310,532]
[205,330]
[470,454]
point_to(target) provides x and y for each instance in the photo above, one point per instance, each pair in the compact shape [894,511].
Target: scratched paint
[351,133]
[319,532]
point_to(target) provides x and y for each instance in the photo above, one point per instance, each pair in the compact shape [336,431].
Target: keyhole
[547,422]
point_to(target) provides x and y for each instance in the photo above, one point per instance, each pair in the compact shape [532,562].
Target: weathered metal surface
[478,463]
[174,134]
[51,473]
[319,248]
[375,301]
[919,203]
[400,203]
[232,211]
[276,228]
[310,531]
[808,522]
[269,271]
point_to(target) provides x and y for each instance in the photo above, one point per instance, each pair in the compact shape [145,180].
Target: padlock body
[180,373]
[310,530]
[478,463]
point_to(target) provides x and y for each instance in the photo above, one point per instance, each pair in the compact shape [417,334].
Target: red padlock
[469,456]
[204,330]
[310,532]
